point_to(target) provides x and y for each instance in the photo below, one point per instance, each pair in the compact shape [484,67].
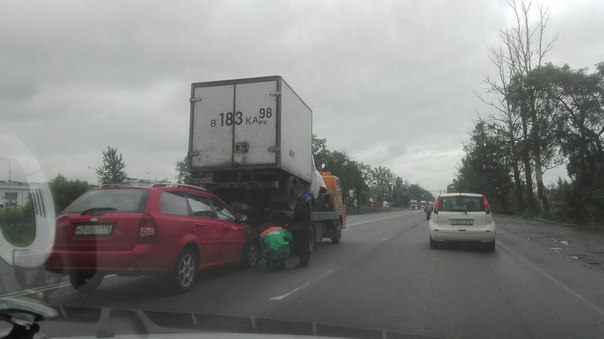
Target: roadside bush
[18,225]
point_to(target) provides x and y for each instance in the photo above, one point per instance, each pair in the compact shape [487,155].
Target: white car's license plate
[462,222]
[81,230]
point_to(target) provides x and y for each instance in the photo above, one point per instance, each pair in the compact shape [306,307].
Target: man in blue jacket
[301,224]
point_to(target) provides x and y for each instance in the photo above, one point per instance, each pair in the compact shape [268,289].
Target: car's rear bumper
[141,259]
[463,234]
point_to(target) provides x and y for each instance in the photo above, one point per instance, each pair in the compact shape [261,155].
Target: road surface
[542,281]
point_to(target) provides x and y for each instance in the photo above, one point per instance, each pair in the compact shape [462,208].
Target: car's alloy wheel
[251,258]
[185,270]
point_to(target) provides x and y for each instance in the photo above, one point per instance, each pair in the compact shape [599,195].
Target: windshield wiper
[99,209]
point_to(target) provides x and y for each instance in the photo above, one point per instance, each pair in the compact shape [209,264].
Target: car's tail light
[487,209]
[147,230]
[436,206]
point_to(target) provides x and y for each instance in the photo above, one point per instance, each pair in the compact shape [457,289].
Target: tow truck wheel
[337,233]
[312,239]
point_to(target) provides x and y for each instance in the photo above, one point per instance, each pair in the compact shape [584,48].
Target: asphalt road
[541,282]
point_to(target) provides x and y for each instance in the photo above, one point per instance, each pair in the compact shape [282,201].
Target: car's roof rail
[113,185]
[177,185]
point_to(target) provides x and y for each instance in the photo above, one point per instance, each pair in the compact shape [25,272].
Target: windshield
[428,168]
[117,200]
[461,204]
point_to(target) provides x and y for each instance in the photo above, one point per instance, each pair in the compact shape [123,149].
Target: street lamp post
[10,191]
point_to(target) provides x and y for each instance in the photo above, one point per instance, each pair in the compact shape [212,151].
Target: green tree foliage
[523,48]
[382,183]
[66,191]
[366,183]
[578,105]
[112,169]
[485,167]
[18,224]
[418,193]
[352,174]
[563,109]
[182,168]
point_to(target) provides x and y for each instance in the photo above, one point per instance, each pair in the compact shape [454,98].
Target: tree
[417,192]
[381,183]
[485,167]
[112,169]
[363,181]
[352,174]
[66,191]
[182,168]
[578,100]
[523,49]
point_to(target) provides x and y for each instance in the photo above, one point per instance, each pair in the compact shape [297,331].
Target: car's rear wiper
[99,209]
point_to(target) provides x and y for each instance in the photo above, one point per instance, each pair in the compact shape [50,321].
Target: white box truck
[250,141]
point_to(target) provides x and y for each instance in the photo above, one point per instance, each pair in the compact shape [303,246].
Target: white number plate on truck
[464,222]
[82,230]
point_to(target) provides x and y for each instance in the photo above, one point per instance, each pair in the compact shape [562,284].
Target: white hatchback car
[462,217]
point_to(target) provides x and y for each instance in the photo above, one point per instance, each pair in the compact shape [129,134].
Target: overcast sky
[392,83]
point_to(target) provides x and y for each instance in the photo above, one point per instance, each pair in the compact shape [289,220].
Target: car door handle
[200,225]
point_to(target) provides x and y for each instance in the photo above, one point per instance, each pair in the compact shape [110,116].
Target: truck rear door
[234,124]
[212,127]
[256,135]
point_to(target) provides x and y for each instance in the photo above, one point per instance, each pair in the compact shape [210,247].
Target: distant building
[15,193]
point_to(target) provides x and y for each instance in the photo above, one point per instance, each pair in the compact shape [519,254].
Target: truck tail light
[436,206]
[487,209]
[147,230]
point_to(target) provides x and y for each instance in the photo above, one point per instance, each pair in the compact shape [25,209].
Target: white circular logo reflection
[20,158]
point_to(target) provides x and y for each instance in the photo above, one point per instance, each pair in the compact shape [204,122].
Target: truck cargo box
[253,123]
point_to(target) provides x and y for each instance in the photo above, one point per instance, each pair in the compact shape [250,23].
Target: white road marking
[554,280]
[370,221]
[44,288]
[21,293]
[283,296]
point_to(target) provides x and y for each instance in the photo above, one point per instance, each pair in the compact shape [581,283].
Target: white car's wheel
[433,244]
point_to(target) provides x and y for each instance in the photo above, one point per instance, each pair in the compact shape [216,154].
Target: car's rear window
[461,204]
[114,200]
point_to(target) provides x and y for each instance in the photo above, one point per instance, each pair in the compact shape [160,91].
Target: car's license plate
[462,222]
[82,230]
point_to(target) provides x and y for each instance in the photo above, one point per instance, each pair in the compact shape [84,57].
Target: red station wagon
[174,230]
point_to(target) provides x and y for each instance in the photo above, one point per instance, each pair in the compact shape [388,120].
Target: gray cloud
[390,82]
